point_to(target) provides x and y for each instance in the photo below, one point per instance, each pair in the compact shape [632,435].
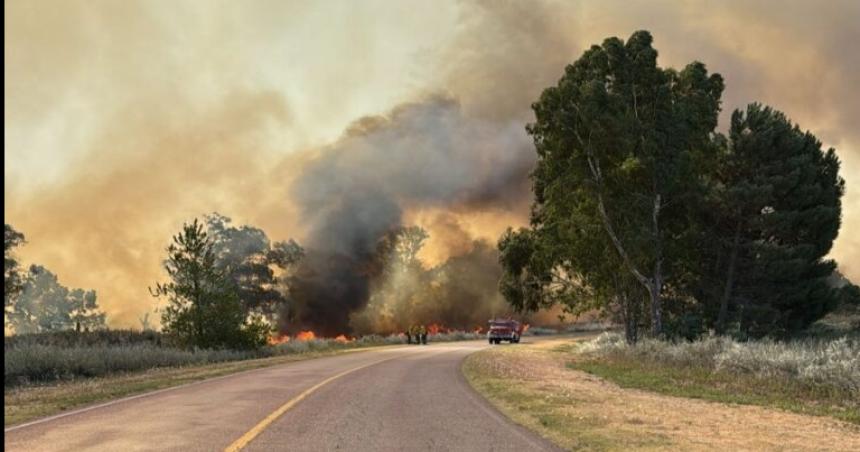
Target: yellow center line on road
[243,441]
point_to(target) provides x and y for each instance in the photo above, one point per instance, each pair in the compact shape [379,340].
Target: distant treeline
[230,286]
[35,301]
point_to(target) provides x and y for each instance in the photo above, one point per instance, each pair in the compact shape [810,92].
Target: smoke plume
[421,155]
[124,119]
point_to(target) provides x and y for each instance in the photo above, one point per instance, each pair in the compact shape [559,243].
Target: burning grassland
[304,336]
[43,358]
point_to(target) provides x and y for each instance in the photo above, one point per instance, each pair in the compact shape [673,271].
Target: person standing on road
[422,332]
[409,335]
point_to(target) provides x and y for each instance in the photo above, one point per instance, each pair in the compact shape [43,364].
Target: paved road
[390,399]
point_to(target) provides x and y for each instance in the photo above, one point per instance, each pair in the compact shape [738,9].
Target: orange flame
[275,340]
[434,328]
[343,339]
[479,330]
[306,336]
[525,327]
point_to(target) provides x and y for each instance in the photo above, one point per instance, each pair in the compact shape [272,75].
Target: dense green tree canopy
[779,199]
[637,197]
[618,140]
[203,307]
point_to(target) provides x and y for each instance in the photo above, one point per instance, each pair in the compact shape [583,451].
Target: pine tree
[203,307]
[779,212]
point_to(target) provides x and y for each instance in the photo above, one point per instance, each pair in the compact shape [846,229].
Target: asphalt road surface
[410,398]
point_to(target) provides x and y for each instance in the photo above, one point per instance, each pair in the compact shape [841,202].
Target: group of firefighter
[418,333]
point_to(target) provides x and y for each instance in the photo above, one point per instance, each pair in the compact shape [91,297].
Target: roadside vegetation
[809,376]
[49,373]
[63,356]
[542,386]
[28,402]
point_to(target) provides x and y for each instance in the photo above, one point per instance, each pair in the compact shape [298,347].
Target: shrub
[41,363]
[823,362]
[86,338]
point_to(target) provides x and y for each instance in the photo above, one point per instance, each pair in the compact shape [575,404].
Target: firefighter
[422,333]
[413,332]
[409,335]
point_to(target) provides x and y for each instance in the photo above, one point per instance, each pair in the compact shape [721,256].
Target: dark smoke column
[334,278]
[427,154]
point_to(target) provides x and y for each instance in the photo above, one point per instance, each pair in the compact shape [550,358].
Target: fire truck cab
[504,330]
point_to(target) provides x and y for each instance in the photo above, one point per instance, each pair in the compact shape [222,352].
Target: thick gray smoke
[422,155]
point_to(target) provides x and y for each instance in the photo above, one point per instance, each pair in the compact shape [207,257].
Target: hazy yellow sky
[123,119]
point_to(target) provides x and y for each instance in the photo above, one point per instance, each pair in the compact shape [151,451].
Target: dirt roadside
[531,384]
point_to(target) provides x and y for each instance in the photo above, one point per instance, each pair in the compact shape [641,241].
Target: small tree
[203,307]
[12,279]
[145,325]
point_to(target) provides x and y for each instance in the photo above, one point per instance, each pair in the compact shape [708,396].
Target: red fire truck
[504,330]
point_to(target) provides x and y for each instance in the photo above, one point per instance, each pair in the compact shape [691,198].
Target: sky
[122,120]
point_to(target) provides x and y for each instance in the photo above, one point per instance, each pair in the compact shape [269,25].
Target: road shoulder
[532,384]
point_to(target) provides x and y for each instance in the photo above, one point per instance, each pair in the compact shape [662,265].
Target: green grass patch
[727,387]
[548,411]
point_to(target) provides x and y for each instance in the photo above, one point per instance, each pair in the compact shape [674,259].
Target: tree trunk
[730,280]
[654,284]
[629,309]
[631,329]
[656,309]
[198,312]
[655,289]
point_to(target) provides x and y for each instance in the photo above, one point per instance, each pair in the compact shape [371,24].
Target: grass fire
[193,192]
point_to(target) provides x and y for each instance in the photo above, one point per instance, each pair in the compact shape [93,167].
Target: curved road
[387,399]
